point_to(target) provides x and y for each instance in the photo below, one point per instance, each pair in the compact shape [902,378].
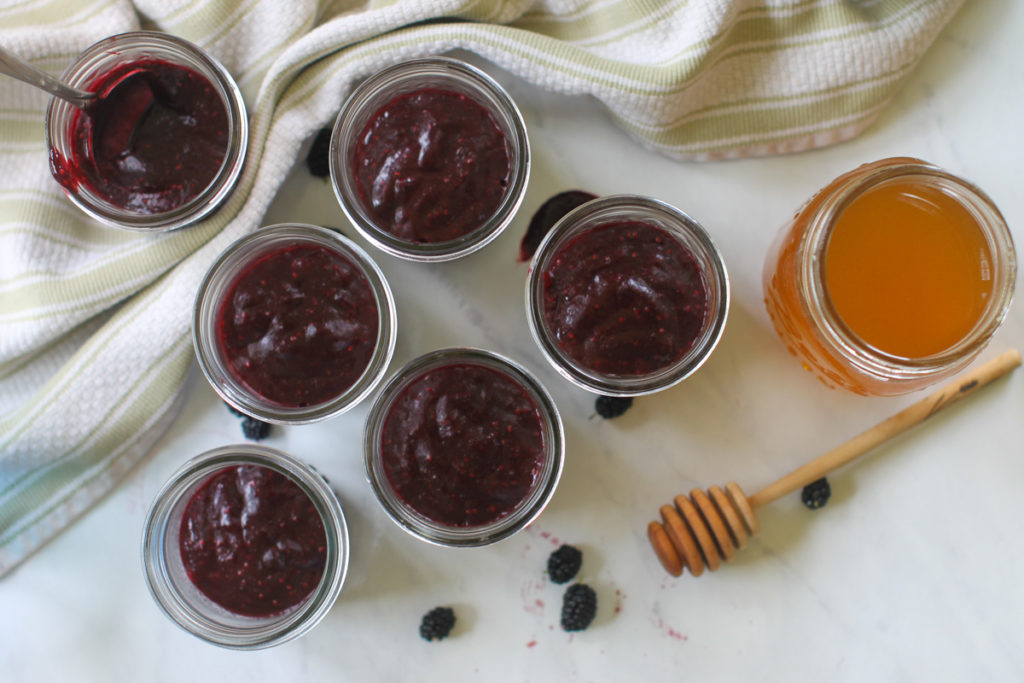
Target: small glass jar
[88,70]
[217,286]
[610,210]
[389,85]
[803,310]
[180,599]
[421,525]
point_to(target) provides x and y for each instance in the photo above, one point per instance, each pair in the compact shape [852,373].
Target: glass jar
[191,609]
[88,73]
[430,75]
[218,286]
[704,277]
[804,293]
[529,501]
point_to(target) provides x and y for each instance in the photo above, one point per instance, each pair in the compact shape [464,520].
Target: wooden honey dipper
[705,528]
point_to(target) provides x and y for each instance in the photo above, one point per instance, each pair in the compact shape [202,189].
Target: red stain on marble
[548,536]
[530,592]
[668,630]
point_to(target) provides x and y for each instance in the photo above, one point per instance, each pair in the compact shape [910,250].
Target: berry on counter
[255,430]
[437,623]
[546,216]
[579,607]
[610,407]
[318,161]
[816,494]
[234,411]
[564,563]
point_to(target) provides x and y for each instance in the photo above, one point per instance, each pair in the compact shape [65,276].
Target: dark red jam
[154,141]
[431,166]
[252,541]
[299,325]
[463,445]
[624,299]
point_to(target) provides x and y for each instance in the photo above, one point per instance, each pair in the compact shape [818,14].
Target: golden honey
[892,277]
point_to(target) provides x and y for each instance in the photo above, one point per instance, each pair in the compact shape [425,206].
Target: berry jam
[624,299]
[299,325]
[463,445]
[431,166]
[154,140]
[252,541]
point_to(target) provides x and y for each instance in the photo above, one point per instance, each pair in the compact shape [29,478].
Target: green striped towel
[94,322]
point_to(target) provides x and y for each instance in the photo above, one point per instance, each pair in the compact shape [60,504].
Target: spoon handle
[15,67]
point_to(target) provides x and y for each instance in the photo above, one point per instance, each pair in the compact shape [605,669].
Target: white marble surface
[910,573]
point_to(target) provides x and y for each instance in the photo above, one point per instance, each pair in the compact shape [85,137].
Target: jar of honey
[891,278]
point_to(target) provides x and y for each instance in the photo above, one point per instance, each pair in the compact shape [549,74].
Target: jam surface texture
[463,445]
[299,325]
[252,541]
[154,140]
[431,166]
[624,299]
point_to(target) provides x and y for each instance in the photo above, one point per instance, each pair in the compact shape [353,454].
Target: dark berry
[816,494]
[437,623]
[546,216]
[612,406]
[234,411]
[579,607]
[564,563]
[254,429]
[319,158]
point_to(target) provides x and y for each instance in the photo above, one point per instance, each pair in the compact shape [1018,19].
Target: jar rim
[211,624]
[101,56]
[409,76]
[690,234]
[817,300]
[419,525]
[223,273]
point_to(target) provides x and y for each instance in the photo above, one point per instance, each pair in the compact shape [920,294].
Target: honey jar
[891,278]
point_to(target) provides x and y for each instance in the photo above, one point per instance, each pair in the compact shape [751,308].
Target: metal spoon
[15,67]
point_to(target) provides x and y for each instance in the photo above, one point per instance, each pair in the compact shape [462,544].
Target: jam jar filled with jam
[163,143]
[627,295]
[893,277]
[463,447]
[294,324]
[245,547]
[429,159]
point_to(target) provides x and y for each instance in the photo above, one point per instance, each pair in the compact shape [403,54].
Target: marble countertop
[911,572]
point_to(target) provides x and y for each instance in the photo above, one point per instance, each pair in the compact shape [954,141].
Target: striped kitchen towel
[94,322]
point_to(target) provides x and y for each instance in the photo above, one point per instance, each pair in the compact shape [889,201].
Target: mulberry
[579,607]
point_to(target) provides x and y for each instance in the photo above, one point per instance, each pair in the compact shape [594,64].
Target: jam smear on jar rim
[154,140]
[549,213]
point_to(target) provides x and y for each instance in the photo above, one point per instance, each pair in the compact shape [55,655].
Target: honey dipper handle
[888,428]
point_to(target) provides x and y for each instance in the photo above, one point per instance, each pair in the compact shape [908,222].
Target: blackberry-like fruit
[612,406]
[233,410]
[816,494]
[318,161]
[579,607]
[437,623]
[255,430]
[564,563]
